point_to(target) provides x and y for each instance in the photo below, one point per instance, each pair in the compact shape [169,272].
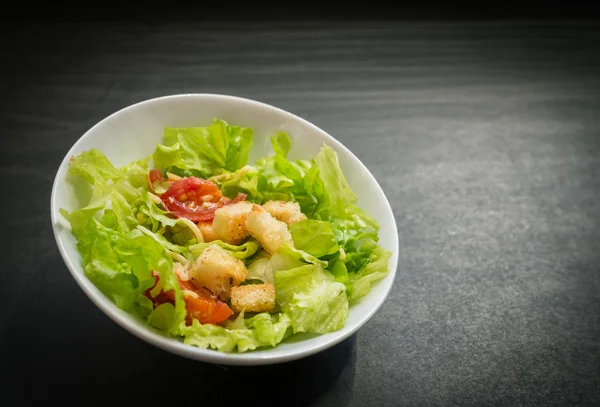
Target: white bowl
[133,132]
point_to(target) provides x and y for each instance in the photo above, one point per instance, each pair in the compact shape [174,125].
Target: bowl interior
[133,133]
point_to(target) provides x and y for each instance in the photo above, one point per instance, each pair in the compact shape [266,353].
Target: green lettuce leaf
[374,268]
[94,167]
[339,192]
[155,217]
[204,149]
[288,257]
[356,225]
[218,338]
[133,181]
[159,222]
[159,238]
[269,329]
[262,330]
[78,219]
[246,180]
[311,298]
[180,234]
[339,271]
[122,189]
[254,183]
[121,266]
[117,257]
[293,171]
[314,237]
[291,180]
[142,308]
[275,178]
[242,251]
[260,268]
[136,173]
[126,221]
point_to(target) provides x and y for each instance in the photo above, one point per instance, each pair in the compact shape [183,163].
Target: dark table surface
[484,136]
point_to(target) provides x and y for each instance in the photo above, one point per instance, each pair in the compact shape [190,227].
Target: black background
[264,11]
[480,123]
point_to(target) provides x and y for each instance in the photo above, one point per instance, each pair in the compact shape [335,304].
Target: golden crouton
[207,231]
[218,271]
[288,212]
[230,222]
[270,232]
[253,298]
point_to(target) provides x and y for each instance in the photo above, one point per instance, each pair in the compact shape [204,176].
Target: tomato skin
[207,312]
[203,307]
[193,189]
[153,176]
[192,198]
[196,199]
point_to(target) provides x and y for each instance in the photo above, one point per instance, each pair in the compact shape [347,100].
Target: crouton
[288,212]
[271,233]
[208,233]
[230,222]
[217,270]
[253,298]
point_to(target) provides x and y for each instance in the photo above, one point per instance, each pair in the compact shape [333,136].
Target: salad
[224,255]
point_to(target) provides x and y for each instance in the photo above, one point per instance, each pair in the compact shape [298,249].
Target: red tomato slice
[205,308]
[196,199]
[193,189]
[193,198]
[207,312]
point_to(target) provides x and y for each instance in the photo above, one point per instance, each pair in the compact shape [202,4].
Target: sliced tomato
[200,305]
[193,198]
[193,189]
[207,311]
[204,308]
[196,199]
